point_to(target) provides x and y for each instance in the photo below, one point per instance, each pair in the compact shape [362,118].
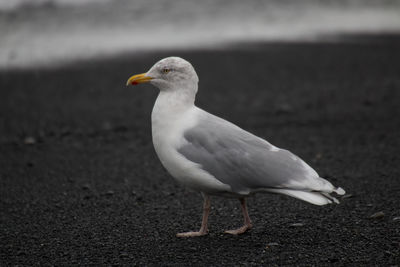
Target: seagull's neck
[170,115]
[172,103]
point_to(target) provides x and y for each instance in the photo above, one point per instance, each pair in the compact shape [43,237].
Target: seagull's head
[169,74]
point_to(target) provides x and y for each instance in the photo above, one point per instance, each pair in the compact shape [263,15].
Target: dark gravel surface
[80,182]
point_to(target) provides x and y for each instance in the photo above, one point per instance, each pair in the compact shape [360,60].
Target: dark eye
[166,70]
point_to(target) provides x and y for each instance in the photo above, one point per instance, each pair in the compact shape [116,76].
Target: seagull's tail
[316,198]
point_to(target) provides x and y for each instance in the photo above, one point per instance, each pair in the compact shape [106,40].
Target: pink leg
[247,222]
[203,229]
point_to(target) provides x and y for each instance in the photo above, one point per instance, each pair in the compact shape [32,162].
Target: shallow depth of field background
[80,183]
[42,32]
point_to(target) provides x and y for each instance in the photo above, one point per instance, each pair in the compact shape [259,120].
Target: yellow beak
[139,78]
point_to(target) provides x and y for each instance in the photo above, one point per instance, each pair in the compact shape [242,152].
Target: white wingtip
[315,198]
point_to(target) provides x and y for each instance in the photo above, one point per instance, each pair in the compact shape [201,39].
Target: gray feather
[243,160]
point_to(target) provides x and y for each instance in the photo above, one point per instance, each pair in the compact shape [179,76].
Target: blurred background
[52,32]
[80,183]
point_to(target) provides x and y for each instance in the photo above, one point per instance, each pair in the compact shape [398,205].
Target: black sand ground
[81,184]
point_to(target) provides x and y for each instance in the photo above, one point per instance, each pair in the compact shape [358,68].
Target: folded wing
[248,163]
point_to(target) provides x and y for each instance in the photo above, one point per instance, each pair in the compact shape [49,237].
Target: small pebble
[318,156]
[110,193]
[377,215]
[29,140]
[387,252]
[124,254]
[272,244]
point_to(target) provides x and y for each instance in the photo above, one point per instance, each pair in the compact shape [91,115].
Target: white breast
[169,121]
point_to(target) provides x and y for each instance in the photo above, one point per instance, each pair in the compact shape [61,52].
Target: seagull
[217,158]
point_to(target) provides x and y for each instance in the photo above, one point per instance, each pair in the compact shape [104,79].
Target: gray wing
[243,160]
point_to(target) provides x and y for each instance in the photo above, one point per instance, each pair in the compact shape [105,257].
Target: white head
[169,74]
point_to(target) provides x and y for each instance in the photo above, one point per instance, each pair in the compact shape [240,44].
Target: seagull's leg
[247,222]
[203,229]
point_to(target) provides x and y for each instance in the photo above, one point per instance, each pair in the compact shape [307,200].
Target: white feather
[311,197]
